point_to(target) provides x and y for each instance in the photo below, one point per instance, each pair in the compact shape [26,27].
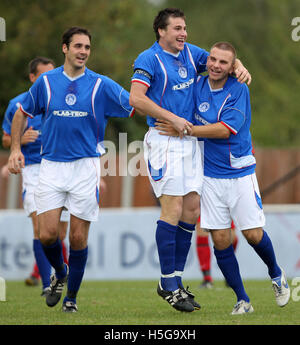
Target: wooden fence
[278,173]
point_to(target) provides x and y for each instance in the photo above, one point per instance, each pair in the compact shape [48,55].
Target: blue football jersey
[75,112]
[170,78]
[230,105]
[31,151]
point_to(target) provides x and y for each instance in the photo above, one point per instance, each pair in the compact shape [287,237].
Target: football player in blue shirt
[31,147]
[230,188]
[76,104]
[162,88]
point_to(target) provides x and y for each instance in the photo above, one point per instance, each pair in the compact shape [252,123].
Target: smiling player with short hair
[230,187]
[76,103]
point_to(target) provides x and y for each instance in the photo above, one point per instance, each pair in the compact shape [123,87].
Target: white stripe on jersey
[219,112]
[46,81]
[191,58]
[25,112]
[166,76]
[99,147]
[96,87]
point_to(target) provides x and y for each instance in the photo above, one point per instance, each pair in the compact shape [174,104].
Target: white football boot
[242,307]
[281,289]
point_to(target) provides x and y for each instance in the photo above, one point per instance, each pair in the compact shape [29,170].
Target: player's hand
[16,162]
[29,136]
[182,126]
[243,74]
[165,128]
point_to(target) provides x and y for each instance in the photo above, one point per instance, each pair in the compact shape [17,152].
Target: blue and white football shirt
[230,105]
[31,151]
[170,77]
[75,112]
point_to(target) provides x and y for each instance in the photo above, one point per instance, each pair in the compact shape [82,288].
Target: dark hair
[67,35]
[226,46]
[33,64]
[161,21]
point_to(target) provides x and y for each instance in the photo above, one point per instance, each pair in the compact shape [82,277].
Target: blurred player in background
[162,88]
[31,147]
[230,188]
[77,104]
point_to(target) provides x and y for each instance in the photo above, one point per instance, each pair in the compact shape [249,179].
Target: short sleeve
[115,99]
[144,68]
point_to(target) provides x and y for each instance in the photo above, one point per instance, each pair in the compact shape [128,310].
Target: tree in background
[35,28]
[260,29]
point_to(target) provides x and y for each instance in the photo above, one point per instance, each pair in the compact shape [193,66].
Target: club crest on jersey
[70,99]
[203,107]
[182,72]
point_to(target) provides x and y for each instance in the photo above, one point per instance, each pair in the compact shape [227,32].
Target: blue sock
[229,266]
[42,263]
[184,235]
[56,259]
[77,263]
[166,246]
[266,252]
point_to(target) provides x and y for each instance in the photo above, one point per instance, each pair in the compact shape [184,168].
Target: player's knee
[171,209]
[48,237]
[77,241]
[253,236]
[191,214]
[221,239]
[191,208]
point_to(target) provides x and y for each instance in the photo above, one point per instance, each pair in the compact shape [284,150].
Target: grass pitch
[137,303]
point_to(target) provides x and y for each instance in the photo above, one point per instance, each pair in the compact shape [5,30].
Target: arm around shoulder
[212,131]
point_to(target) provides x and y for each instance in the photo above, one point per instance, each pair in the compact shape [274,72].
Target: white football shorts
[30,180]
[74,185]
[174,165]
[237,199]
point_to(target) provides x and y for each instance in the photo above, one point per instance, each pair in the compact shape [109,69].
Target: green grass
[136,303]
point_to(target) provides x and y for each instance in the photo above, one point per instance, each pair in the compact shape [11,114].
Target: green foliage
[35,28]
[259,29]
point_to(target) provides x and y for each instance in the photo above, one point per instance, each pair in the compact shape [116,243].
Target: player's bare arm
[145,106]
[215,130]
[16,159]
